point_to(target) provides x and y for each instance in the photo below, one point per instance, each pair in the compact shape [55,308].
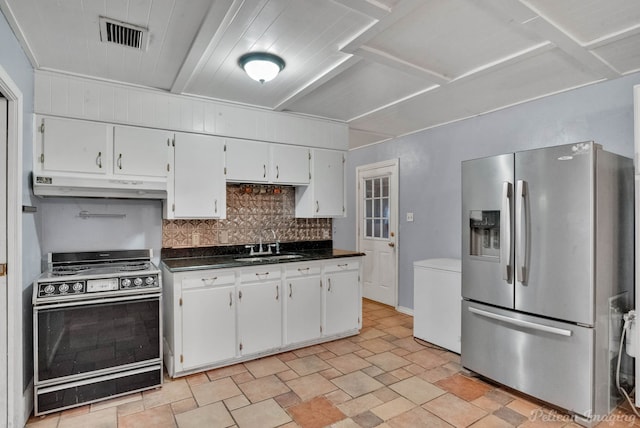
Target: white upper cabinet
[290,164]
[324,196]
[196,187]
[258,162]
[140,151]
[247,161]
[74,146]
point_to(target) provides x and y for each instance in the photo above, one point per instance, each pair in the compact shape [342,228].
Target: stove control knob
[137,282]
[77,286]
[126,282]
[49,289]
[150,280]
[63,288]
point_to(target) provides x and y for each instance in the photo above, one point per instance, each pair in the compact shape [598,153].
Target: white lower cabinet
[208,315]
[342,297]
[218,317]
[303,302]
[259,311]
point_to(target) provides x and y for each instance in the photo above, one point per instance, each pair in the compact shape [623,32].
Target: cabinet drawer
[264,273]
[303,270]
[341,265]
[209,278]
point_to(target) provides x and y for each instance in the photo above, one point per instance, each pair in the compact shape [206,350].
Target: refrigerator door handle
[521,231]
[505,232]
[522,323]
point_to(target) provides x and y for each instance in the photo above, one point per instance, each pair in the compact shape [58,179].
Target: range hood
[98,187]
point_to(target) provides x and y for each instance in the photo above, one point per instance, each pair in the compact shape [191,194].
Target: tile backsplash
[252,210]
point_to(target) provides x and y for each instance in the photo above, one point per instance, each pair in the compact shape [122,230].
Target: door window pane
[376,207]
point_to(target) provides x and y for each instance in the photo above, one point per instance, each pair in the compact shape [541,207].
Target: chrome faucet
[276,243]
[262,250]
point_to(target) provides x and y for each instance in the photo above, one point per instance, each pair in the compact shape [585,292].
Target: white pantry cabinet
[140,151]
[324,196]
[342,290]
[218,317]
[303,302]
[259,310]
[67,145]
[196,187]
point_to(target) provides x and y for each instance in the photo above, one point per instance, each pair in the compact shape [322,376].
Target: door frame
[17,403]
[394,188]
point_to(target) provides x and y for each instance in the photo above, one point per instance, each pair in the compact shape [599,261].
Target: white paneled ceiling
[386,67]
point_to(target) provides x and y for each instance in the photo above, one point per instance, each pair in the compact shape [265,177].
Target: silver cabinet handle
[230,298]
[317,206]
[277,171]
[98,160]
[305,269]
[505,232]
[120,161]
[262,274]
[521,232]
[277,292]
[209,280]
[290,290]
[328,284]
[522,323]
[215,206]
[264,171]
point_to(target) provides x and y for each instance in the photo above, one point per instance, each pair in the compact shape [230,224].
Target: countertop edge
[226,262]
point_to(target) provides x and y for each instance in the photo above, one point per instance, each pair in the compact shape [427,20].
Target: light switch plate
[409,216]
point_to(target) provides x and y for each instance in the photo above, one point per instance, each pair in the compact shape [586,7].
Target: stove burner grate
[68,270]
[130,267]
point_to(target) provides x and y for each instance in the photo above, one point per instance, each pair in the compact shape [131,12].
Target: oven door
[81,339]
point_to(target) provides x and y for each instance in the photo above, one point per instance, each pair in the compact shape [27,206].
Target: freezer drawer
[546,359]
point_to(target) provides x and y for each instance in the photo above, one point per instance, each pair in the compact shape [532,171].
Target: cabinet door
[303,302]
[75,146]
[140,151]
[328,181]
[198,177]
[247,161]
[342,303]
[208,326]
[290,164]
[260,316]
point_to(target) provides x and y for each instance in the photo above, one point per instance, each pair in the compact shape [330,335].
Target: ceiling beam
[17,30]
[321,79]
[218,18]
[389,60]
[524,17]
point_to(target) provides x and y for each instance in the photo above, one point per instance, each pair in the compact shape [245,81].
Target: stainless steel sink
[274,257]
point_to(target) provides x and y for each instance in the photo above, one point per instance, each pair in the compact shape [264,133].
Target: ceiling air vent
[124,34]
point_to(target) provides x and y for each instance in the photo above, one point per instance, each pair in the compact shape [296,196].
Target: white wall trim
[393,163]
[406,311]
[17,408]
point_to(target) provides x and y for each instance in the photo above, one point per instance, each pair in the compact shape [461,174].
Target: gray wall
[17,65]
[430,163]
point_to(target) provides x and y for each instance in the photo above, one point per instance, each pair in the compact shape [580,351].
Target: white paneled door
[3,260]
[378,230]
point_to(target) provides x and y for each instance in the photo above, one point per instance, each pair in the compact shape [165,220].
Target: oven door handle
[107,300]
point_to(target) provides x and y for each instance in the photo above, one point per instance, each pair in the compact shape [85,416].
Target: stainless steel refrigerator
[547,270]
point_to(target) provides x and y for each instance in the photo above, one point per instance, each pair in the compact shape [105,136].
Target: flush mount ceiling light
[261,66]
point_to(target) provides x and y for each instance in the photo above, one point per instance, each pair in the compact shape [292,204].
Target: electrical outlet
[224,236]
[409,216]
[195,239]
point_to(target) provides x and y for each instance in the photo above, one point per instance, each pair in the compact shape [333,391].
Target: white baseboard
[407,311]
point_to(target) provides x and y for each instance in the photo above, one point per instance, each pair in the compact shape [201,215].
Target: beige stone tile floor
[380,378]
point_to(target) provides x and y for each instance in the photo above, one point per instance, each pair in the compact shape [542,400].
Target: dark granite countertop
[188,259]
